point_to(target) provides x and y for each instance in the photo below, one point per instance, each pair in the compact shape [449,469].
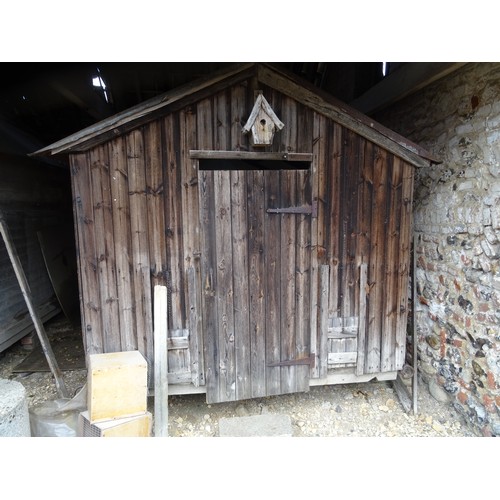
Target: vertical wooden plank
[364,254]
[288,252]
[320,171]
[348,206]
[238,116]
[87,262]
[239,218]
[256,269]
[273,270]
[175,230]
[307,326]
[140,243]
[224,249]
[365,203]
[349,216]
[240,283]
[320,183]
[356,235]
[195,326]
[273,282]
[160,361]
[191,242]
[345,167]
[303,280]
[356,242]
[189,187]
[288,312]
[255,210]
[224,291]
[275,98]
[222,120]
[353,205]
[209,285]
[207,258]
[323,321]
[405,240]
[391,302]
[361,347]
[334,282]
[103,228]
[155,191]
[121,233]
[334,225]
[377,256]
[155,208]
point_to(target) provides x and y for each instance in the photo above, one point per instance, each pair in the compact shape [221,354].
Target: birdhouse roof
[262,104]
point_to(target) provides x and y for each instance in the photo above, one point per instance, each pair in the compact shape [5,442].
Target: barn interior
[44,102]
[41,103]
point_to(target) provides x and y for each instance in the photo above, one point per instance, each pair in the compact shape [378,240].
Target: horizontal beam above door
[248,155]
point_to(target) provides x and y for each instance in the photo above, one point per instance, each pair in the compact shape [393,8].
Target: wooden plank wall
[120,241]
[137,211]
[368,202]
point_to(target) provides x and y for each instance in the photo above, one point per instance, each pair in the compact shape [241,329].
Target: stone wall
[457,225]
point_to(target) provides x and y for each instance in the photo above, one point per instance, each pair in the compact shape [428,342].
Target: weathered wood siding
[146,215]
[368,205]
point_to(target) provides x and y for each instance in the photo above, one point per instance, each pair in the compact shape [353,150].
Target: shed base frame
[346,376]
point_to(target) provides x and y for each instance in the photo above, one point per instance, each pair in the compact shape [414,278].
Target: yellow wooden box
[137,426]
[117,385]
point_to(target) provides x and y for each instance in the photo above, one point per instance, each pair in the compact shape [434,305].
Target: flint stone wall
[457,224]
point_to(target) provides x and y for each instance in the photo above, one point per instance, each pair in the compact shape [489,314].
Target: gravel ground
[363,410]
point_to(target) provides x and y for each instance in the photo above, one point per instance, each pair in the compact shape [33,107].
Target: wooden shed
[286,261]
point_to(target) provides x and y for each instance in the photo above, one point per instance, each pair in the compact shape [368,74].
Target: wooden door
[255,262]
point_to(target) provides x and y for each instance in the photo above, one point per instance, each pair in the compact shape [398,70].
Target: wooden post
[399,386]
[413,325]
[25,289]
[160,361]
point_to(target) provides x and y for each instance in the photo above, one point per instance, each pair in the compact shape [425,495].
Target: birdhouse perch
[262,122]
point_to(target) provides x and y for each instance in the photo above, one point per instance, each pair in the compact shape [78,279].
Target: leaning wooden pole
[25,289]
[160,361]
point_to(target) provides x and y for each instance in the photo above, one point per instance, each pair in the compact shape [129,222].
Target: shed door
[255,259]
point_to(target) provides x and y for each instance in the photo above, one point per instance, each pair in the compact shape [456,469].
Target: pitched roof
[277,78]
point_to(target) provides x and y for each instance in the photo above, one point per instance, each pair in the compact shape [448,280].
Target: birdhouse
[263,122]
